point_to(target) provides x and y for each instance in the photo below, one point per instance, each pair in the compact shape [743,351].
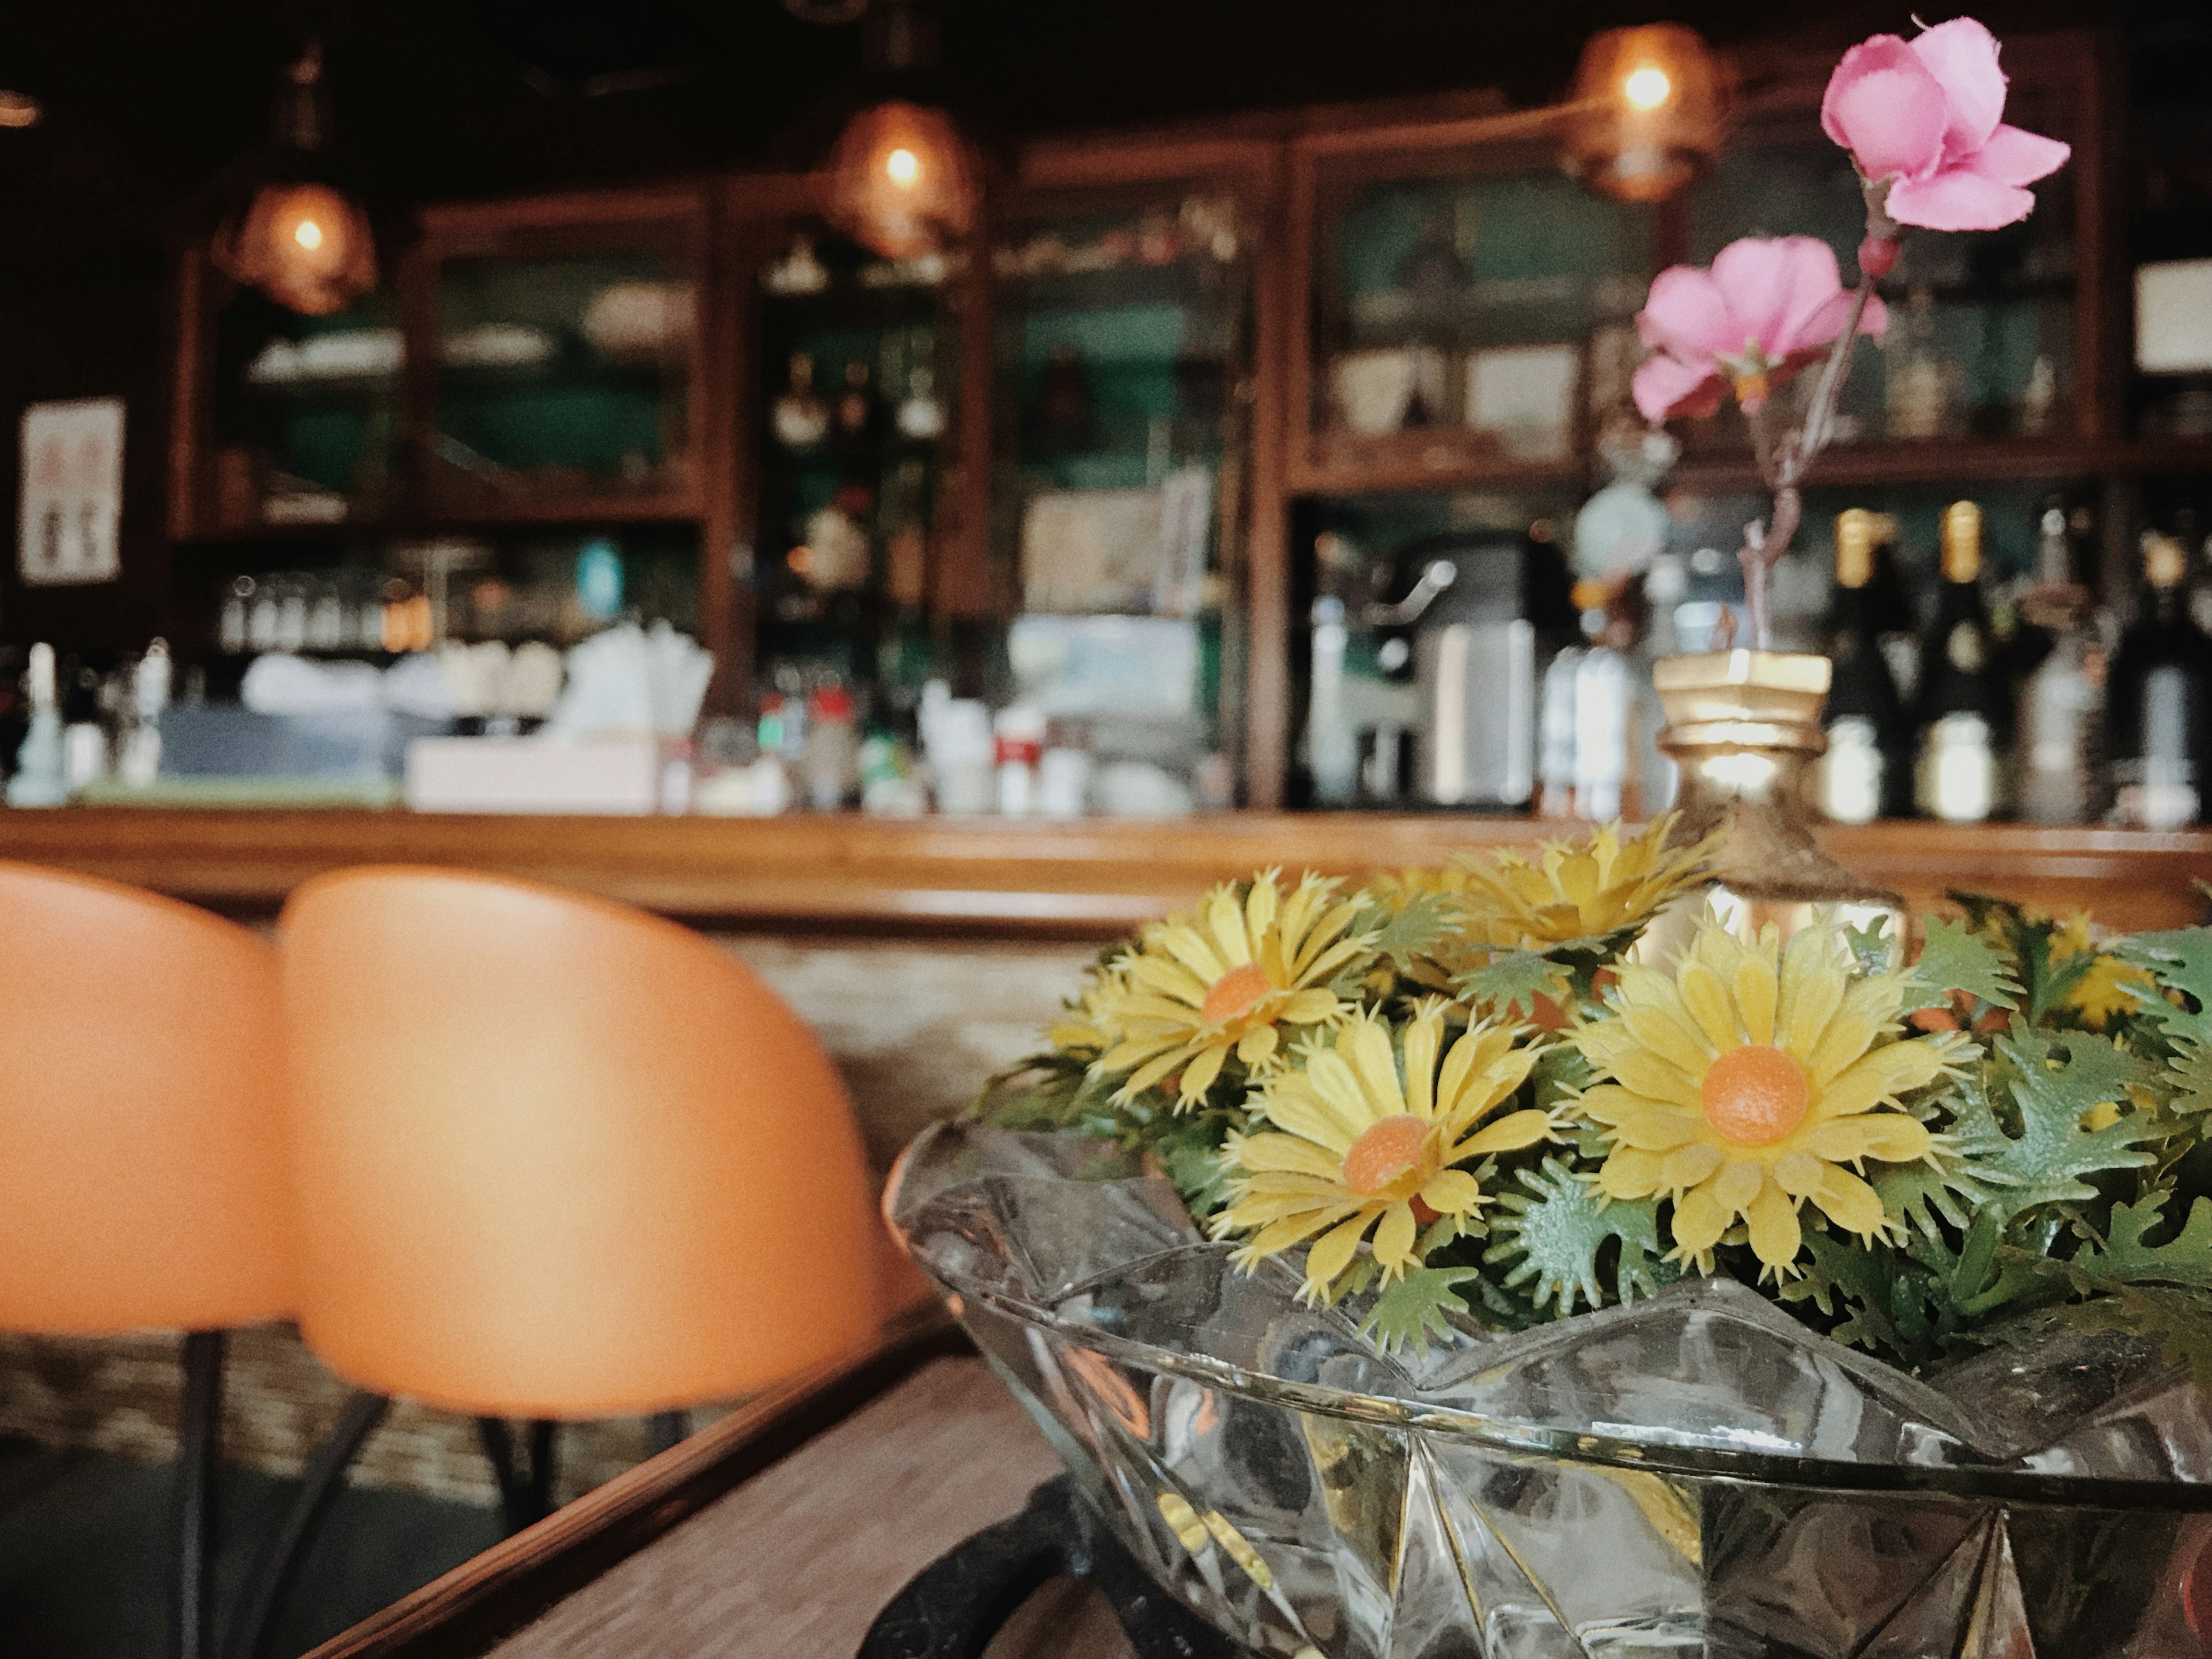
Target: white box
[2174,317]
[616,777]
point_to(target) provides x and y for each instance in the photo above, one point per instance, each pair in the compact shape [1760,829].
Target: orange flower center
[1384,1152]
[1754,1095]
[1234,993]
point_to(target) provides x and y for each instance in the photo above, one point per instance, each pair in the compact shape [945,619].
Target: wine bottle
[2162,694]
[2059,776]
[1864,775]
[1963,708]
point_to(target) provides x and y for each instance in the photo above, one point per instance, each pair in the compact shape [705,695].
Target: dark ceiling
[147,99]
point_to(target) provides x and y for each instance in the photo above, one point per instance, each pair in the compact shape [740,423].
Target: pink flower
[1926,115]
[1767,307]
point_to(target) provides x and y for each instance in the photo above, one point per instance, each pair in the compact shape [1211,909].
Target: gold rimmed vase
[1744,726]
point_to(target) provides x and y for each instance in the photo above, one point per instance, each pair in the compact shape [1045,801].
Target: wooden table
[1084,878]
[780,1532]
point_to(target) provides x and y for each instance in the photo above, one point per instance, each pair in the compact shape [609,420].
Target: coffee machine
[1484,614]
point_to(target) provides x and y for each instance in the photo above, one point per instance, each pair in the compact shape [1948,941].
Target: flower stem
[1782,465]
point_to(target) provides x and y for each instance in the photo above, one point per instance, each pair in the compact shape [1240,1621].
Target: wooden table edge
[488,1597]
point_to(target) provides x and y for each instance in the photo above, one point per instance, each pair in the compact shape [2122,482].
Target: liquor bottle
[2162,694]
[1963,709]
[1917,381]
[1865,774]
[2058,741]
[799,419]
[921,415]
[856,406]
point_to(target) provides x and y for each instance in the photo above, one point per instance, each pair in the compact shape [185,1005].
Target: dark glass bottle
[1963,715]
[2160,695]
[1867,771]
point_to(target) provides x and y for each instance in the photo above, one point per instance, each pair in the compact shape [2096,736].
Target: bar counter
[1077,879]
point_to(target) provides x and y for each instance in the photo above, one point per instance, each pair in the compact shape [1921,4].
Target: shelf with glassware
[851,430]
[1465,309]
[1122,389]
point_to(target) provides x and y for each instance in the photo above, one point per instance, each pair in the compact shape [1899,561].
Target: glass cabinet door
[1467,311]
[1121,444]
[1986,339]
[854,418]
[566,372]
[302,414]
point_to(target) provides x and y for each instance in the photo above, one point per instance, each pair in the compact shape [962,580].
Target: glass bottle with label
[800,419]
[2057,748]
[1963,706]
[1865,773]
[2161,693]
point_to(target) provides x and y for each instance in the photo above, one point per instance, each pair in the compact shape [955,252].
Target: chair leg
[665,1429]
[277,1567]
[544,1448]
[499,1452]
[199,1457]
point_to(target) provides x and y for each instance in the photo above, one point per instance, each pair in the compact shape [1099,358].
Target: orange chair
[143,1179]
[558,1160]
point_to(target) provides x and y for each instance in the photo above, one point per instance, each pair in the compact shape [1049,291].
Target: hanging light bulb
[1648,110]
[901,181]
[303,242]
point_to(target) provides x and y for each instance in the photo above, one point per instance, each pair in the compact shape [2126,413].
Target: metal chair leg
[199,1457]
[499,1452]
[545,1445]
[277,1568]
[665,1429]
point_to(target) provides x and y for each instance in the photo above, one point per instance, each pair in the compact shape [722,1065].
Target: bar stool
[557,1159]
[143,1177]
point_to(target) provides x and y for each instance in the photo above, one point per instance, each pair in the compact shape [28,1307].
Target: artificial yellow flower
[2102,991]
[1083,1030]
[1741,1085]
[1573,892]
[1354,1148]
[1234,977]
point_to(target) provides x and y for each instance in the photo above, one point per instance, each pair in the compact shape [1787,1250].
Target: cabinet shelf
[1428,457]
[1940,461]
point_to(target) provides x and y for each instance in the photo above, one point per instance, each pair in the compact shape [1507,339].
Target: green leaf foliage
[1413,930]
[1510,983]
[1953,958]
[1871,947]
[2049,1160]
[1553,1235]
[2125,1258]
[2180,959]
[1412,1312]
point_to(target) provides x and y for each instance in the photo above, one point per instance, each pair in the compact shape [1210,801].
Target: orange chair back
[557,1158]
[143,1177]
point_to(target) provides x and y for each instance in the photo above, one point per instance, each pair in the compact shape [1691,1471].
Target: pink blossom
[1768,307]
[1926,115]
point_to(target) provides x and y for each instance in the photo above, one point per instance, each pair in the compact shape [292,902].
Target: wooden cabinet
[1358,323]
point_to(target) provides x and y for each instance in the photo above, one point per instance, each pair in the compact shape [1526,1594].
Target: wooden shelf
[1961,460]
[581,510]
[1084,878]
[1429,458]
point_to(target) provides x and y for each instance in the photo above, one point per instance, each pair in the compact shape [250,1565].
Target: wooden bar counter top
[1081,878]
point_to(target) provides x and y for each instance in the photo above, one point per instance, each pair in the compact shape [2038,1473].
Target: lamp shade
[902,182]
[307,245]
[1650,109]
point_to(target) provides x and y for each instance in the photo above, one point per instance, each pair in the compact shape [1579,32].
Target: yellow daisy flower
[1233,978]
[1082,1029]
[1740,1087]
[2102,992]
[1354,1148]
[1573,892]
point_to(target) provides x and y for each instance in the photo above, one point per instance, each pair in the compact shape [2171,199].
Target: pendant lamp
[1648,110]
[902,180]
[299,237]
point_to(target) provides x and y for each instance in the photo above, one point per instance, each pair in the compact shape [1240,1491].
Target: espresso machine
[1483,615]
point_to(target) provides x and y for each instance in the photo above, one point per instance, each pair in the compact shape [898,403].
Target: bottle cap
[2165,562]
[1962,542]
[1855,529]
[833,702]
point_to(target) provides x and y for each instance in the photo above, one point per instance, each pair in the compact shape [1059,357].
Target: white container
[615,776]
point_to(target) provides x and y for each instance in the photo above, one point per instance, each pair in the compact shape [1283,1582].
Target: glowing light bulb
[903,167]
[1647,88]
[308,234]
